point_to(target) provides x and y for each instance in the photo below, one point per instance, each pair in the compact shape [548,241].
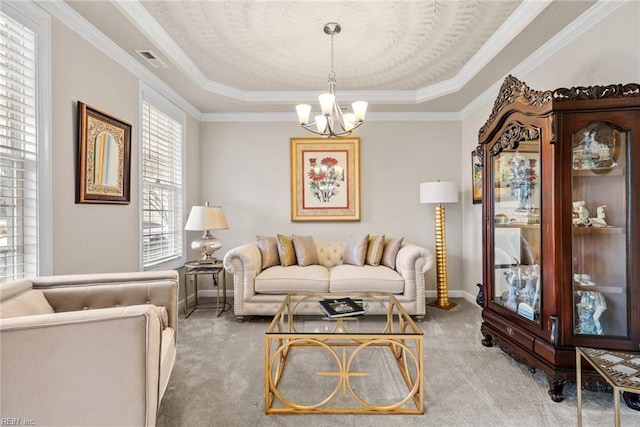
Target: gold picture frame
[103,161]
[325,179]
[476,179]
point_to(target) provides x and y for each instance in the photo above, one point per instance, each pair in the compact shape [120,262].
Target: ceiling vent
[151,58]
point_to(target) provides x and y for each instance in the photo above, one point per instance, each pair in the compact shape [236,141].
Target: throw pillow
[268,246]
[390,251]
[355,250]
[286,251]
[305,248]
[374,250]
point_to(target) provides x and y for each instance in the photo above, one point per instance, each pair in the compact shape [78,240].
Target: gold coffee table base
[399,341]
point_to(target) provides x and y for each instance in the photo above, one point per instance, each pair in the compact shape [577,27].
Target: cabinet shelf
[616,171]
[512,225]
[598,230]
[602,289]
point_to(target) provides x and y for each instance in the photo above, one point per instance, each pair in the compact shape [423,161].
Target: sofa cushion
[374,250]
[286,250]
[349,278]
[26,303]
[268,246]
[281,280]
[355,250]
[390,251]
[305,248]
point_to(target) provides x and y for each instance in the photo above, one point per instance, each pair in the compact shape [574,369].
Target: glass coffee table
[372,363]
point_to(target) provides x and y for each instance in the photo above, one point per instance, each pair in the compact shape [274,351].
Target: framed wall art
[325,179]
[103,159]
[476,177]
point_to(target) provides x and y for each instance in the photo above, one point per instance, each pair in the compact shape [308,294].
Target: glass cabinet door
[599,230]
[516,231]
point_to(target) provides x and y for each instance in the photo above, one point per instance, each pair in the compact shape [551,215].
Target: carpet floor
[218,381]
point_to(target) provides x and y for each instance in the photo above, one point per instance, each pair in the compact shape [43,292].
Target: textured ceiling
[260,56]
[280,45]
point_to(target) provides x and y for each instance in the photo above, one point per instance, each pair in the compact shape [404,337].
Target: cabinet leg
[556,385]
[487,341]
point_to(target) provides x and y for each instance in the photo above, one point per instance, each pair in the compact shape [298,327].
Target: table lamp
[439,193]
[206,218]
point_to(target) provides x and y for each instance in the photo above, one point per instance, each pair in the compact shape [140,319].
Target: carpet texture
[218,381]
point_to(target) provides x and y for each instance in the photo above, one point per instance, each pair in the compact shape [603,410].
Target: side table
[621,369]
[194,269]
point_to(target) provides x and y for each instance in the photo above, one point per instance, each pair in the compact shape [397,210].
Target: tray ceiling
[265,56]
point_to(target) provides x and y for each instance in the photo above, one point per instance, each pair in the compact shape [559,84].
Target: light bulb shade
[326,103]
[304,111]
[439,192]
[349,121]
[321,123]
[360,110]
[203,218]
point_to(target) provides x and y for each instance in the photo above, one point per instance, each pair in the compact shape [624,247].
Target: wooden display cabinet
[560,214]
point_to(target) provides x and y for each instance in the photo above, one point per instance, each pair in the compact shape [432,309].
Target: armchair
[87,349]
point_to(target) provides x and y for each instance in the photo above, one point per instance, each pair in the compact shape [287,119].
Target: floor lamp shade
[206,218]
[438,193]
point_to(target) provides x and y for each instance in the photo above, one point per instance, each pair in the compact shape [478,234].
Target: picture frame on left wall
[103,158]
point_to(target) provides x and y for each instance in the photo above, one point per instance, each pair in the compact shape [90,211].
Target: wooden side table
[194,269]
[620,369]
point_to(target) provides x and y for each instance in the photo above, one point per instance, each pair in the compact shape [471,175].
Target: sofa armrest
[412,262]
[82,368]
[90,291]
[245,263]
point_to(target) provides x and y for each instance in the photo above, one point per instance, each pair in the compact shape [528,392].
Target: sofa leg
[419,318]
[240,319]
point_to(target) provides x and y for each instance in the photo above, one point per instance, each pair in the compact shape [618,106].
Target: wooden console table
[618,368]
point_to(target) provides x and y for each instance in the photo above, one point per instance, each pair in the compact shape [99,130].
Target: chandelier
[332,121]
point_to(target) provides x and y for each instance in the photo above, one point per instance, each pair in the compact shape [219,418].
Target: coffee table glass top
[302,314]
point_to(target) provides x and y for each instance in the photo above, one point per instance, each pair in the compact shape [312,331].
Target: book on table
[341,307]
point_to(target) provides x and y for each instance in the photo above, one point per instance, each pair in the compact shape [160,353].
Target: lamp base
[448,305]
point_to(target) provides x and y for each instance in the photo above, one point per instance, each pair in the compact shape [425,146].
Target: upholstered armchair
[87,349]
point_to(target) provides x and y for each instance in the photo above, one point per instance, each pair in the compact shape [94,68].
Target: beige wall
[245,166]
[608,53]
[91,238]
[246,169]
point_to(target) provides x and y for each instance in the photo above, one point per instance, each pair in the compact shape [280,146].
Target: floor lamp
[439,193]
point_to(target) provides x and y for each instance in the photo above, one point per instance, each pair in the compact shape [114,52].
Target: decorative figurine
[592,154]
[581,214]
[599,220]
[591,306]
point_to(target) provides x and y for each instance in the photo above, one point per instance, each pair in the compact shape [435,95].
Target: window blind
[162,187]
[18,151]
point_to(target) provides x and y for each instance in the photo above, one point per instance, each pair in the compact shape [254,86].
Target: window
[162,195]
[24,245]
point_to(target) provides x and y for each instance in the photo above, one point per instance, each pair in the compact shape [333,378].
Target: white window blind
[162,140]
[18,151]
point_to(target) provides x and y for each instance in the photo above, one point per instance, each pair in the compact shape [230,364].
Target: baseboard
[429,295]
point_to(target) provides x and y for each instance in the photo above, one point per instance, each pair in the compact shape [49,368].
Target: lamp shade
[206,218]
[439,192]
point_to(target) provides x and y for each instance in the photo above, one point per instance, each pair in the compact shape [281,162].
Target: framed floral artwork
[476,178]
[103,160]
[325,179]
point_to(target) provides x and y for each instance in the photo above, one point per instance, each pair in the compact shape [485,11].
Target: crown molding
[74,21]
[592,16]
[292,117]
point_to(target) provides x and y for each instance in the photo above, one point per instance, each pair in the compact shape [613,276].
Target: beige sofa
[93,349]
[259,291]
